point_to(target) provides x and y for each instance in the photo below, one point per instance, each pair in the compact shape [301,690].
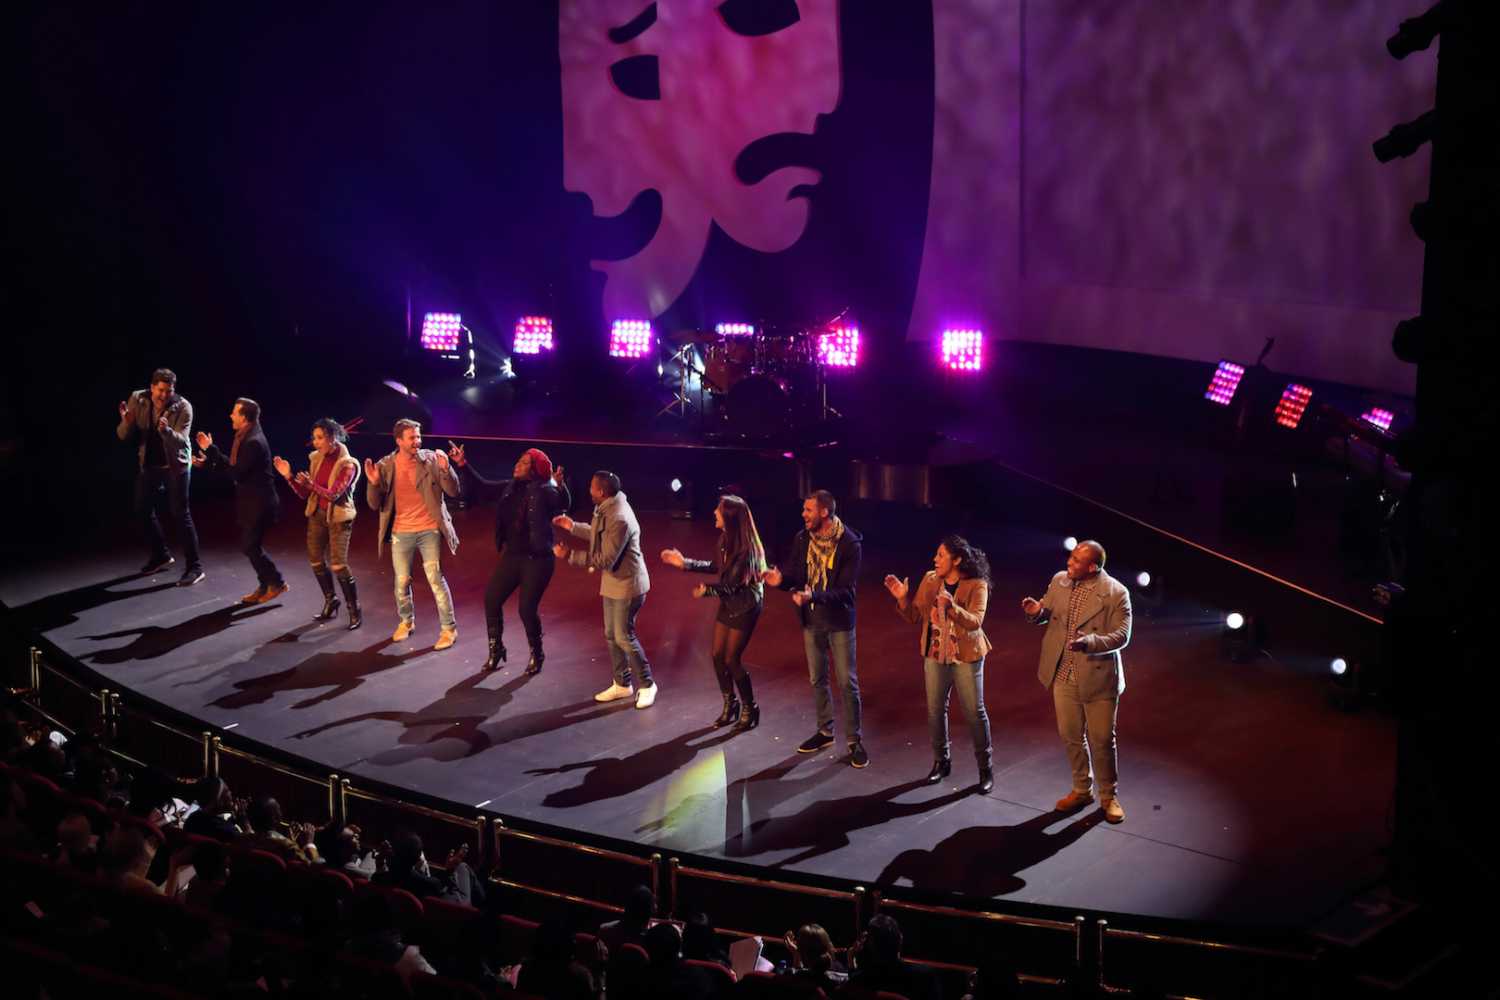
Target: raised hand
[672,558]
[701,590]
[771,577]
[563,521]
[372,472]
[898,588]
[205,440]
[558,474]
[283,467]
[456,454]
[124,409]
[1031,606]
[560,550]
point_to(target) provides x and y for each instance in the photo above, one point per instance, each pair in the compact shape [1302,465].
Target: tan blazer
[1103,625]
[965,611]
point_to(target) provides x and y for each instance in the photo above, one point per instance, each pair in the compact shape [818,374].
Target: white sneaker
[646,698]
[615,692]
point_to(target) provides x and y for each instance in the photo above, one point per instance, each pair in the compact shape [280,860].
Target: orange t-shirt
[411,512]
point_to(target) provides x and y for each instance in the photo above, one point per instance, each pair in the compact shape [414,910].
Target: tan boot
[446,638]
[403,630]
[1113,811]
[1073,800]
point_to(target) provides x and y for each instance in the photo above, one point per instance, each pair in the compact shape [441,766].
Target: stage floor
[1249,798]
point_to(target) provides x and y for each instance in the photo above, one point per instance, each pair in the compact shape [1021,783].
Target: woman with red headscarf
[528,501]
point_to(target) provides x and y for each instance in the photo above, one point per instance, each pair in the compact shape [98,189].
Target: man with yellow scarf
[821,571]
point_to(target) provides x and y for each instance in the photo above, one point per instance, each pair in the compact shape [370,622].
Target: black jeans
[531,574]
[253,527]
[150,485]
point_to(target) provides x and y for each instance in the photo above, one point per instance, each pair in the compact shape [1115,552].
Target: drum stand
[825,410]
[686,365]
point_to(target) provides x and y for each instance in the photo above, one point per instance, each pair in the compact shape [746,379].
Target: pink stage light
[440,331]
[735,329]
[630,338]
[963,350]
[1226,380]
[533,335]
[838,347]
[1294,399]
[1376,417]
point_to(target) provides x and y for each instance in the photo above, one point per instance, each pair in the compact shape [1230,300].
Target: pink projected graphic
[666,97]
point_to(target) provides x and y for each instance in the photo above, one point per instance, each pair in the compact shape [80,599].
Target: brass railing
[490,834]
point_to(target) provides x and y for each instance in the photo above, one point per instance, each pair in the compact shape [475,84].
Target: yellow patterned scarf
[820,550]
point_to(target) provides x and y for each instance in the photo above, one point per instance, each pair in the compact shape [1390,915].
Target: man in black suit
[256,504]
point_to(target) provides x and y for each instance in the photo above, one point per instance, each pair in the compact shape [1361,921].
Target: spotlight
[838,347]
[1143,579]
[1349,685]
[682,499]
[1294,400]
[1339,666]
[1070,543]
[533,335]
[963,350]
[676,485]
[1377,417]
[441,331]
[630,338]
[1225,381]
[1406,138]
[735,329]
[1242,638]
[1416,33]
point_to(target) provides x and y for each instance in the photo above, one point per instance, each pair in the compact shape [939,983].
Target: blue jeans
[968,679]
[625,652]
[403,546]
[823,645]
[150,486]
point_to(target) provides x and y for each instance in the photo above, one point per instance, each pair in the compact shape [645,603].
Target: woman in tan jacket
[949,604]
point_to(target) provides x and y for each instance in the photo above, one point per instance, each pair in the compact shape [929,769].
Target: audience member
[409,870]
[813,959]
[551,971]
[700,942]
[879,965]
[215,815]
[640,908]
[264,817]
[377,937]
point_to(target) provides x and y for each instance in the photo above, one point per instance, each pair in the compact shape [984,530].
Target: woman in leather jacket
[739,563]
[526,504]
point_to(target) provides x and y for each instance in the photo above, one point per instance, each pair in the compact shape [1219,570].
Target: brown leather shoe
[446,638]
[403,629]
[1073,800]
[255,597]
[1113,811]
[274,591]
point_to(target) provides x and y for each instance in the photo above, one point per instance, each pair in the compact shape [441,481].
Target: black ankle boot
[941,768]
[749,710]
[731,713]
[351,600]
[497,655]
[534,667]
[986,780]
[330,602]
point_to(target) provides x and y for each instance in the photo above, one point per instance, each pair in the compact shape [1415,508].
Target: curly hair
[332,429]
[972,562]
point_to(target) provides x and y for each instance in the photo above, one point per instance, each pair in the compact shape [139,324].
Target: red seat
[409,911]
[723,977]
[767,986]
[516,935]
[427,987]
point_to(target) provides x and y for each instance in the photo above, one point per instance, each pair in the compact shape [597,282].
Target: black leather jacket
[544,501]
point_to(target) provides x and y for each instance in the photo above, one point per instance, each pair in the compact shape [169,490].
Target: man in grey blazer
[612,547]
[1087,614]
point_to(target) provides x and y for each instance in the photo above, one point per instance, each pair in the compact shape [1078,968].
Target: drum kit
[761,378]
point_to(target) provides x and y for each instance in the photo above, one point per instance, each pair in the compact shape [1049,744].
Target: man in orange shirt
[406,487]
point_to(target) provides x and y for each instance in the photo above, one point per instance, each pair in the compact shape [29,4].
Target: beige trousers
[1088,731]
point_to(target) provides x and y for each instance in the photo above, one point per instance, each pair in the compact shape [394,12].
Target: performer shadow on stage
[152,641]
[464,714]
[985,859]
[612,777]
[344,671]
[822,826]
[57,610]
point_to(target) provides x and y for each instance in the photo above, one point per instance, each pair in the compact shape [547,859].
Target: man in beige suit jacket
[1087,614]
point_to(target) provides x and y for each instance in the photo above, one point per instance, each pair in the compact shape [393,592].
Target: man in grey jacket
[1087,614]
[612,547]
[159,423]
[406,487]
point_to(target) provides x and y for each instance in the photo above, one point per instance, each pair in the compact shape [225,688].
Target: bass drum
[758,407]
